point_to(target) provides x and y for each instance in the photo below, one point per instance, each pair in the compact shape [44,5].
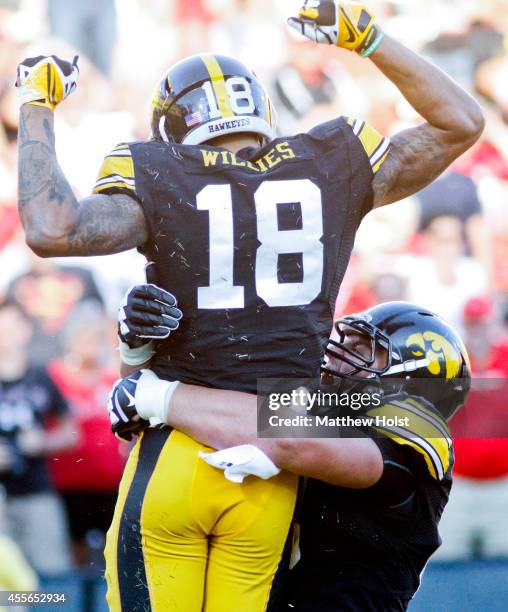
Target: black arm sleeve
[396,486]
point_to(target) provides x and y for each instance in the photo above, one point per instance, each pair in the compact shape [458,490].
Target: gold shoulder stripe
[378,165]
[436,419]
[122,166]
[113,178]
[421,421]
[375,145]
[424,447]
[117,170]
[380,150]
[118,184]
[356,124]
[370,138]
[425,432]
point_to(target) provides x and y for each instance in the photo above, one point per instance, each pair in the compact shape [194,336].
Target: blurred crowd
[446,249]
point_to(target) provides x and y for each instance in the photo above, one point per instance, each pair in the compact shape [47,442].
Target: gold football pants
[185,538]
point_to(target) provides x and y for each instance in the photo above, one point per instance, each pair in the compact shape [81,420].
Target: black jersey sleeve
[374,146]
[352,144]
[397,484]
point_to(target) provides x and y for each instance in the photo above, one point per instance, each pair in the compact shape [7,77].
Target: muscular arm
[221,419]
[454,122]
[55,222]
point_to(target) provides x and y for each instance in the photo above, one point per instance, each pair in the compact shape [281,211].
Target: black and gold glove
[46,80]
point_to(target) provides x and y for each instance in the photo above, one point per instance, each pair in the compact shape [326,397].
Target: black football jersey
[366,549]
[254,245]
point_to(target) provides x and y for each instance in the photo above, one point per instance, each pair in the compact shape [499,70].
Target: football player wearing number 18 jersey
[253,232]
[256,242]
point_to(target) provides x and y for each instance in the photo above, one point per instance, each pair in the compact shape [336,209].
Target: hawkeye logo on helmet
[228,125]
[442,356]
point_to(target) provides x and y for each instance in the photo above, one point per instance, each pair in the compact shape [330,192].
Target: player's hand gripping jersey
[256,244]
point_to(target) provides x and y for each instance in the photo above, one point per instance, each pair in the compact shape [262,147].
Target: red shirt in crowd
[482,453]
[96,464]
[192,10]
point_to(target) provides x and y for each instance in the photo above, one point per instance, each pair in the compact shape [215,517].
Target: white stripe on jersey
[116,178]
[380,151]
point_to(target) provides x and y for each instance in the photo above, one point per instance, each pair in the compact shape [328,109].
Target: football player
[369,518]
[254,232]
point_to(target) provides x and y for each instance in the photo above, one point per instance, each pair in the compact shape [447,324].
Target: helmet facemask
[357,350]
[423,355]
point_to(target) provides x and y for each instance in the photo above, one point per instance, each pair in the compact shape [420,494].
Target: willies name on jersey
[280,152]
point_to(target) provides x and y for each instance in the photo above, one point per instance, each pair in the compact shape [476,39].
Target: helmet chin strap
[162,129]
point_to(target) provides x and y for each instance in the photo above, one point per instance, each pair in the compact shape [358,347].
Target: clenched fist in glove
[46,80]
[349,25]
[148,314]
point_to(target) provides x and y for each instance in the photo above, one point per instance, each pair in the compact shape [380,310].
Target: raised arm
[453,119]
[454,122]
[55,222]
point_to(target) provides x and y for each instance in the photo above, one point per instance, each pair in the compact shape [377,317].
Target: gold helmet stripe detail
[219,86]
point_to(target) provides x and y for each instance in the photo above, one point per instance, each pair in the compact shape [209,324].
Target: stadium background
[446,249]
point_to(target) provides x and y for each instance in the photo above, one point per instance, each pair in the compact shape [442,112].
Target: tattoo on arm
[39,171]
[107,224]
[35,170]
[50,134]
[51,213]
[417,157]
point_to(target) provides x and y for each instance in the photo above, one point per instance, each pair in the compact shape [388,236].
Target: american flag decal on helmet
[193,119]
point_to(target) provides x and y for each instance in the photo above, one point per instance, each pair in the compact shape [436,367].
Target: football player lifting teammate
[254,233]
[368,519]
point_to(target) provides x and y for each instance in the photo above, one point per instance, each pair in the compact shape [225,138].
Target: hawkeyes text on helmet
[206,96]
